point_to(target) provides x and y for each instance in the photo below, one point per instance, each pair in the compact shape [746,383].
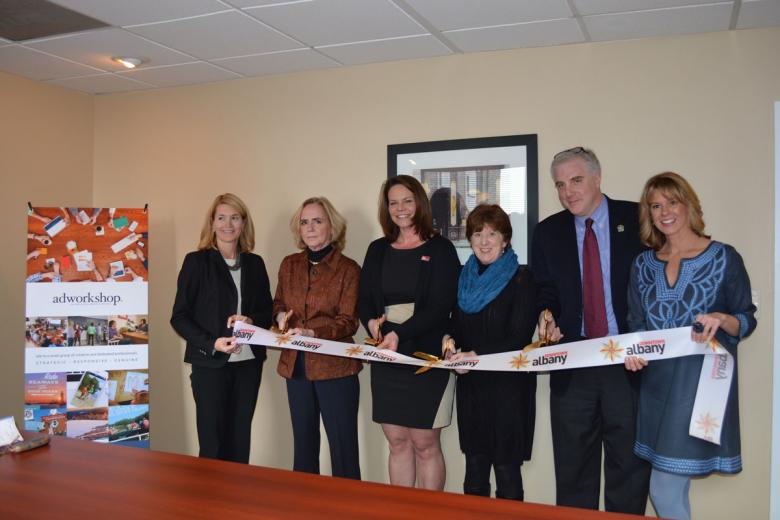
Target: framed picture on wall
[459,174]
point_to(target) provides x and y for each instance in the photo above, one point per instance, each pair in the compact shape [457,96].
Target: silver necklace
[237,265]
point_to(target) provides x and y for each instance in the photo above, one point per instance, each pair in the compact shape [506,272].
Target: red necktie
[593,286]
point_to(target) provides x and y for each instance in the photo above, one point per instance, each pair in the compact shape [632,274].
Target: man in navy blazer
[589,406]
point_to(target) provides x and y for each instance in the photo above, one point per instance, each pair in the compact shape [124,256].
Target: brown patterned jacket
[323,299]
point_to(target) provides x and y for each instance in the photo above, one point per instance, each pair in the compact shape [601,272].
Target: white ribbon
[711,395]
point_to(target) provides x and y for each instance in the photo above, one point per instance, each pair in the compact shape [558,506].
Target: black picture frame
[501,170]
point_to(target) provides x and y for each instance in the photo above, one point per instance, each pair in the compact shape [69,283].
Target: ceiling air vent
[28,19]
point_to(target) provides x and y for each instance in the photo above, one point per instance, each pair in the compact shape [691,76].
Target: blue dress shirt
[601,227]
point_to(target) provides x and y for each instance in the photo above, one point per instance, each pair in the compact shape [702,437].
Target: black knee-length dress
[392,281]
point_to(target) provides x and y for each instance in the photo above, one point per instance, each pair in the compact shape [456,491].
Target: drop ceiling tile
[660,22]
[588,7]
[255,3]
[95,48]
[124,12]
[216,36]
[534,34]
[760,13]
[32,64]
[185,74]
[277,63]
[328,22]
[460,14]
[386,50]
[100,84]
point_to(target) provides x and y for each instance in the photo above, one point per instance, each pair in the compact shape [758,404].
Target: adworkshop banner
[87,324]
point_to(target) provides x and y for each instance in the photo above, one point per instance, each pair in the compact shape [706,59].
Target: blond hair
[338,225]
[246,241]
[672,186]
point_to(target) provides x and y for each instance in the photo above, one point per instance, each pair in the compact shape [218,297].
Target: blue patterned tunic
[713,281]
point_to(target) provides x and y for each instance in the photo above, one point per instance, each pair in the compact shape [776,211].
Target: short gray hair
[587,155]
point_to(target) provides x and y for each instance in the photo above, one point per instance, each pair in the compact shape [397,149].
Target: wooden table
[86,239]
[80,479]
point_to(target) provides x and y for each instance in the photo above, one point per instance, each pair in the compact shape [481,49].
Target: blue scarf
[475,291]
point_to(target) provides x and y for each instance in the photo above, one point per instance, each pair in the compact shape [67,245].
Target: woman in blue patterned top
[685,278]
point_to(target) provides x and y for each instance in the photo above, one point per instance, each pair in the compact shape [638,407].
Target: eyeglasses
[571,151]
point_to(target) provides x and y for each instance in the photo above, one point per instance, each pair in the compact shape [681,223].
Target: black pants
[337,401]
[588,407]
[509,480]
[225,400]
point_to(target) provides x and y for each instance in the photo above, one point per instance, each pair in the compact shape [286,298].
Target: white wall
[46,158]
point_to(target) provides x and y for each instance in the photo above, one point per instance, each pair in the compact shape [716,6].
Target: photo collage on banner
[87,325]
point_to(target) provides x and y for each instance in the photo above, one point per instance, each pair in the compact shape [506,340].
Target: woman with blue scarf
[496,312]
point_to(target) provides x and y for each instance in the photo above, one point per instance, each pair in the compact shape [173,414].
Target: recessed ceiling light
[127,61]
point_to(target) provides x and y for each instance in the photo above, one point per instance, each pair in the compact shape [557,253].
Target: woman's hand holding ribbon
[462,355]
[238,317]
[227,345]
[389,342]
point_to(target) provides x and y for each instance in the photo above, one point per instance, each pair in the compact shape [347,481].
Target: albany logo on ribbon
[711,395]
[652,346]
[245,334]
[306,344]
[551,358]
[612,350]
[708,426]
[519,361]
[463,363]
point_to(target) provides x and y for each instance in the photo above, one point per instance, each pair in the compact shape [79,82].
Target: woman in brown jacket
[317,296]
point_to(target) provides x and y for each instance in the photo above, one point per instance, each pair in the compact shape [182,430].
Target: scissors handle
[427,357]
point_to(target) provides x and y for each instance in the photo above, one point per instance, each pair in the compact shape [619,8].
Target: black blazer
[206,296]
[556,267]
[435,295]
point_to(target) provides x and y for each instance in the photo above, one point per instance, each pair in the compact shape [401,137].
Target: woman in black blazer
[225,375]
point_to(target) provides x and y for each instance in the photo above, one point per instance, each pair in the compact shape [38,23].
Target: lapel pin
[425,258]
[620,228]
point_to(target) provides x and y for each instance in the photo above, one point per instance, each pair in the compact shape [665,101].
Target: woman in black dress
[496,312]
[407,291]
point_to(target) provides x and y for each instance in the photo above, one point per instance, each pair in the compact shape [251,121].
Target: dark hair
[493,216]
[422,219]
[672,186]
